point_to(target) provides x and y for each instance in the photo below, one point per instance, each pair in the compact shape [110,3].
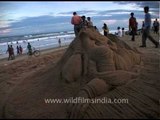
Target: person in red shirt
[132,26]
[76,21]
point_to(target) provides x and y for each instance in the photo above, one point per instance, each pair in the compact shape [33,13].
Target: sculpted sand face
[110,65]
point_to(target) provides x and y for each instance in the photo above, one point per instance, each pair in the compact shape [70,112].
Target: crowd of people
[120,33]
[81,22]
[11,52]
[19,50]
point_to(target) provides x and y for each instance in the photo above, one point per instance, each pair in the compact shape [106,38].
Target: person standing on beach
[95,27]
[29,49]
[132,26]
[20,49]
[136,27]
[59,41]
[142,26]
[84,22]
[12,52]
[119,32]
[156,26]
[76,20]
[123,33]
[89,22]
[9,52]
[146,31]
[105,29]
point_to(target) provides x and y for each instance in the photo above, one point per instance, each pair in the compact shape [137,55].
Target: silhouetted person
[95,27]
[142,25]
[12,52]
[84,22]
[132,26]
[59,41]
[147,26]
[105,29]
[89,22]
[119,32]
[76,20]
[20,49]
[156,26]
[123,33]
[9,52]
[136,27]
[29,47]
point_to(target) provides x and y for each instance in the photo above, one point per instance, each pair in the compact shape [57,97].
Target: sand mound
[93,66]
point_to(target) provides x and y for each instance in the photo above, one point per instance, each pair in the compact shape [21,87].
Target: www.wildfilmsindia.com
[103,100]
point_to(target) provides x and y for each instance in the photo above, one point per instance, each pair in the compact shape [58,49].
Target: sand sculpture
[103,62]
[94,66]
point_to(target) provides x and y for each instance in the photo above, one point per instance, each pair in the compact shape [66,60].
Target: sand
[26,82]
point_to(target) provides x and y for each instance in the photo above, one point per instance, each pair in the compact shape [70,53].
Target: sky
[27,17]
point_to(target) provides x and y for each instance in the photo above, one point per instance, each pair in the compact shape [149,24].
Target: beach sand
[20,71]
[14,71]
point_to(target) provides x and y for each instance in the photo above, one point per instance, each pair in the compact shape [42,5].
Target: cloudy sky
[17,18]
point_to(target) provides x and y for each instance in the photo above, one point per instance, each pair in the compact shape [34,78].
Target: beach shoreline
[126,38]
[25,56]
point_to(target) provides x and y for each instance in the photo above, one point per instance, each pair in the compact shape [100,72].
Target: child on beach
[123,33]
[119,32]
